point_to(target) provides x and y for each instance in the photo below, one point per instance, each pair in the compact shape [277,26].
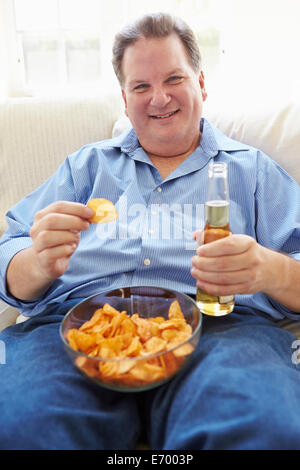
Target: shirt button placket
[147,261]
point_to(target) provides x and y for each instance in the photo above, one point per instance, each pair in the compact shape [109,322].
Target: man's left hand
[236,264]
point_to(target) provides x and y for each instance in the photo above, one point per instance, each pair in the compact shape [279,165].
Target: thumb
[198,236]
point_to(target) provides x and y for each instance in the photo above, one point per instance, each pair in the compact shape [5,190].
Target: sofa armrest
[8,315]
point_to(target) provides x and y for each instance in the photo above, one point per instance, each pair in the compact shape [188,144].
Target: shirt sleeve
[277,214]
[20,218]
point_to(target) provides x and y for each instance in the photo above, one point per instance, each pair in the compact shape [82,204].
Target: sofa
[37,134]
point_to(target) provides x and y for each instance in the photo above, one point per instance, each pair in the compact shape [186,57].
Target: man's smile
[164,116]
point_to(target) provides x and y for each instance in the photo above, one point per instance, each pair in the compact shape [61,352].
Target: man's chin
[171,145]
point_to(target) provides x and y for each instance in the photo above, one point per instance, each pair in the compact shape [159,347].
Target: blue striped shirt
[151,242]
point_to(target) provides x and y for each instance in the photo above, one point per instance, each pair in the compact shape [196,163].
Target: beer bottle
[216,226]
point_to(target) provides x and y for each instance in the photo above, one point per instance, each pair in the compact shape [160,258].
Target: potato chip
[174,323]
[155,344]
[175,311]
[158,319]
[146,372]
[125,366]
[169,334]
[154,328]
[134,348]
[95,318]
[128,326]
[183,350]
[171,365]
[131,341]
[71,337]
[88,366]
[83,341]
[108,369]
[143,327]
[104,211]
[109,310]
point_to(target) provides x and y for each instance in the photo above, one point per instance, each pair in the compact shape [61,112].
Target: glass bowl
[149,368]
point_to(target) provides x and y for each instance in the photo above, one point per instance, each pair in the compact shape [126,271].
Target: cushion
[36,135]
[272,128]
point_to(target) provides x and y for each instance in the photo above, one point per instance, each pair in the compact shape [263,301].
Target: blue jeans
[240,391]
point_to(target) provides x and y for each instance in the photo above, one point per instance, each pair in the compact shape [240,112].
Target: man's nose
[160,97]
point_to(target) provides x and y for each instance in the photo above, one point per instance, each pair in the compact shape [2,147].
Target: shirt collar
[212,141]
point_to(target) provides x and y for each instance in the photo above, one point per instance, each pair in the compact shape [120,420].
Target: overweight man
[240,391]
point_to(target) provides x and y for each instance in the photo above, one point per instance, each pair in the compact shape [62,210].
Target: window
[58,42]
[47,46]
[66,44]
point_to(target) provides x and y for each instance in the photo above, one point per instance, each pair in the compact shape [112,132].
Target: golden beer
[216,227]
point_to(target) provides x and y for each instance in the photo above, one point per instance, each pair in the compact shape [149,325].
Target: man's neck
[167,164]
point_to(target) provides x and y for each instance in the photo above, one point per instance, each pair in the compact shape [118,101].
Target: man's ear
[202,85]
[125,102]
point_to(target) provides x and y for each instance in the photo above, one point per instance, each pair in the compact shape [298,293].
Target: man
[241,389]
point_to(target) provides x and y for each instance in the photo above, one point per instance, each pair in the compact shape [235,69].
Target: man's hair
[156,25]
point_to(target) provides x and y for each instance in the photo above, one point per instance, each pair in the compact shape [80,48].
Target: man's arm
[239,265]
[55,234]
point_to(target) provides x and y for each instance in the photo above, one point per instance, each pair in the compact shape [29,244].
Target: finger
[222,263]
[222,279]
[48,258]
[216,290]
[51,238]
[198,236]
[235,244]
[66,207]
[58,221]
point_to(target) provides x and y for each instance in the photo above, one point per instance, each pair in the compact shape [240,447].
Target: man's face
[163,95]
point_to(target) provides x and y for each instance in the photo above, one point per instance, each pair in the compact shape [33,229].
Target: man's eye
[141,87]
[175,79]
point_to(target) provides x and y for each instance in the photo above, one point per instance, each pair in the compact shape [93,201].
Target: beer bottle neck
[217,213]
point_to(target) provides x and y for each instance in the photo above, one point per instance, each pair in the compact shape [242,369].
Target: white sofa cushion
[274,129]
[36,135]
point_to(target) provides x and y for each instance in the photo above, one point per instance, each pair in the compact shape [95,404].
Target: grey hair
[156,25]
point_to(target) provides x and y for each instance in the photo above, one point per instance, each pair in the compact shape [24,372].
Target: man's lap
[240,385]
[240,391]
[46,403]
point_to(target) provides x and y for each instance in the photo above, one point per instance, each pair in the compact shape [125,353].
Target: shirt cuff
[280,308]
[8,249]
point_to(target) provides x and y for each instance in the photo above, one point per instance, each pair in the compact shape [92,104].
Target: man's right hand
[55,234]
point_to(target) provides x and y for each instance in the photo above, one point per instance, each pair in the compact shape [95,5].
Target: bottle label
[217,213]
[226,299]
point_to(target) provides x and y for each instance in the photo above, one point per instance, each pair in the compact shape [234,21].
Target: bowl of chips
[133,338]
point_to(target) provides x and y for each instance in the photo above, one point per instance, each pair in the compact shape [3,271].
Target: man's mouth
[164,116]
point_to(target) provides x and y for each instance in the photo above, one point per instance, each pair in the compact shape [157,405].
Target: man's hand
[235,265]
[239,265]
[55,234]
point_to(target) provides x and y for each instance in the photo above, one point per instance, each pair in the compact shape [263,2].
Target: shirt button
[146,261]
[159,190]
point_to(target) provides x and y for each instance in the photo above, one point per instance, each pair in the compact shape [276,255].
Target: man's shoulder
[106,147]
[117,141]
[224,142]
